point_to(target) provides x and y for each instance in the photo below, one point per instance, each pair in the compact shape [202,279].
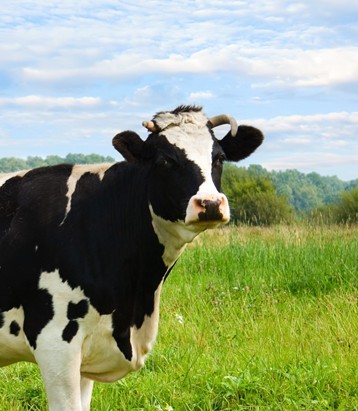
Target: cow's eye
[164,162]
[218,162]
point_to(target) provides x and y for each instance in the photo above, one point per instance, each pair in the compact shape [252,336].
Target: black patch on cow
[122,335]
[14,328]
[38,313]
[2,319]
[245,143]
[77,310]
[218,158]
[186,109]
[70,331]
[8,203]
[173,180]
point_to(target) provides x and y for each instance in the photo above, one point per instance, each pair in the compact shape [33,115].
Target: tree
[344,212]
[253,198]
[347,210]
[53,160]
[10,164]
[35,162]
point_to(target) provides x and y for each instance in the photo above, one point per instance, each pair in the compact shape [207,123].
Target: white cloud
[311,162]
[267,68]
[316,123]
[304,68]
[200,95]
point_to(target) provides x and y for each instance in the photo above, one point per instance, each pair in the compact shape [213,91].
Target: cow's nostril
[201,203]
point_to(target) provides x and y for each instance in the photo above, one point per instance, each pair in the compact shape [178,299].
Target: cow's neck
[174,236]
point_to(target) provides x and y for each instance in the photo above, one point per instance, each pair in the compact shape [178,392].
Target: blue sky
[75,73]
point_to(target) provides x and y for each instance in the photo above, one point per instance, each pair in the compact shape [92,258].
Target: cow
[85,249]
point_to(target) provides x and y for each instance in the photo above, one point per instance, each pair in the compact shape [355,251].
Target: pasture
[251,319]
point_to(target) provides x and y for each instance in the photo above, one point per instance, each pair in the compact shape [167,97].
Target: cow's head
[185,160]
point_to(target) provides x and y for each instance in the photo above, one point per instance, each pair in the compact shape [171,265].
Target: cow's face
[185,162]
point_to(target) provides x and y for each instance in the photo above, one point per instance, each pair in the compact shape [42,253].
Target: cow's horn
[149,125]
[224,119]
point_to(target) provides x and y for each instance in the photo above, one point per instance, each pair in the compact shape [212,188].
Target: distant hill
[303,191]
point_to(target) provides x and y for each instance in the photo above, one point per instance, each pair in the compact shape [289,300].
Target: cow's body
[84,250]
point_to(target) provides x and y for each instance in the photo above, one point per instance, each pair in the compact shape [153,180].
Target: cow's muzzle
[208,209]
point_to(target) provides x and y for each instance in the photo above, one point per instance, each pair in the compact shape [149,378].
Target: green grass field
[251,319]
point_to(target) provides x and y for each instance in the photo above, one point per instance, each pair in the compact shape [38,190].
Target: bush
[253,198]
[345,212]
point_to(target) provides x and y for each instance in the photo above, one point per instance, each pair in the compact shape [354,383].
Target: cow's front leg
[60,370]
[86,393]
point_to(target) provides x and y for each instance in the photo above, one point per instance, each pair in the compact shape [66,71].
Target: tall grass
[251,319]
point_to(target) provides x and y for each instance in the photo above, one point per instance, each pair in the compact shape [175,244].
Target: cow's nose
[209,210]
[205,207]
[211,207]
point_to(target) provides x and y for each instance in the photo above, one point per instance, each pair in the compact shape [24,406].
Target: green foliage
[308,191]
[259,197]
[344,212]
[253,198]
[347,209]
[10,164]
[305,191]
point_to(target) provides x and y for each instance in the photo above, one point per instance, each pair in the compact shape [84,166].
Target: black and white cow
[84,249]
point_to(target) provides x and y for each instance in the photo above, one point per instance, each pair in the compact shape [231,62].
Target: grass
[251,319]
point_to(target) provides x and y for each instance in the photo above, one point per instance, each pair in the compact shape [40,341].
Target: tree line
[260,197]
[257,196]
[10,164]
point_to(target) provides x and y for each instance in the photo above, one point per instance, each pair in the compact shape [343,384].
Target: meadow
[251,319]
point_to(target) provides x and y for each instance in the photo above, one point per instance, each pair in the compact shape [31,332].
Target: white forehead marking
[189,131]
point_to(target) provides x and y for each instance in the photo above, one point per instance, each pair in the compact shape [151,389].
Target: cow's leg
[86,393]
[60,370]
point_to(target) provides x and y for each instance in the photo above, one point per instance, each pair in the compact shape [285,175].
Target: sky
[75,73]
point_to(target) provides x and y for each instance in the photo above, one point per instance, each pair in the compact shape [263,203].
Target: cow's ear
[130,145]
[245,143]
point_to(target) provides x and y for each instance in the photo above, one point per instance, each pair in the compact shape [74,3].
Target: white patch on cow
[62,294]
[174,236]
[14,348]
[77,172]
[189,132]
